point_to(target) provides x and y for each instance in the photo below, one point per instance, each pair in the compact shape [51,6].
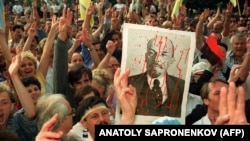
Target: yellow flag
[234,2]
[177,5]
[83,5]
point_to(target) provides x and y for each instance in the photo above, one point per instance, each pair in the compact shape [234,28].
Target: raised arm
[75,45]
[97,33]
[199,29]
[243,72]
[45,10]
[31,35]
[226,24]
[126,95]
[47,51]
[114,23]
[87,40]
[162,10]
[245,7]
[23,95]
[4,47]
[99,9]
[111,46]
[214,19]
[60,59]
[178,20]
[7,17]
[90,11]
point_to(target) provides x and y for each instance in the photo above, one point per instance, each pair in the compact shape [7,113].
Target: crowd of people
[60,73]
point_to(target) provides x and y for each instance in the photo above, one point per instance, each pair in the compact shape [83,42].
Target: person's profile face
[6,108]
[159,56]
[214,95]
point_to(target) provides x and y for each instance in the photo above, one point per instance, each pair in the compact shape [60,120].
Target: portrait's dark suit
[146,101]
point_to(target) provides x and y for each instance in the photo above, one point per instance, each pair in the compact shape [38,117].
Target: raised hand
[91,9]
[78,39]
[86,37]
[232,106]
[111,46]
[126,95]
[15,63]
[32,30]
[234,75]
[204,15]
[229,9]
[114,21]
[54,24]
[46,133]
[64,23]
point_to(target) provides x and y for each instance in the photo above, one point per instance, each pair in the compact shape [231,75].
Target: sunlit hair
[102,77]
[47,106]
[104,73]
[29,55]
[238,36]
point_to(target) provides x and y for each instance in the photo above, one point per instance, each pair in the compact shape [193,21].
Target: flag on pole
[176,9]
[211,51]
[234,2]
[83,5]
[2,18]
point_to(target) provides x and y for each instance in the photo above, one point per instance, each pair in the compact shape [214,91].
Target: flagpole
[238,7]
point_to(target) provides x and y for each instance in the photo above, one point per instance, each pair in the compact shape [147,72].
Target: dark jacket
[146,102]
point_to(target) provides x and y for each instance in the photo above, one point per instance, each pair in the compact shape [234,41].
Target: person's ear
[206,101]
[83,123]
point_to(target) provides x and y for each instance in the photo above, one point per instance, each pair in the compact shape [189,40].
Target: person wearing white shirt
[55,7]
[210,94]
[119,5]
[17,8]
